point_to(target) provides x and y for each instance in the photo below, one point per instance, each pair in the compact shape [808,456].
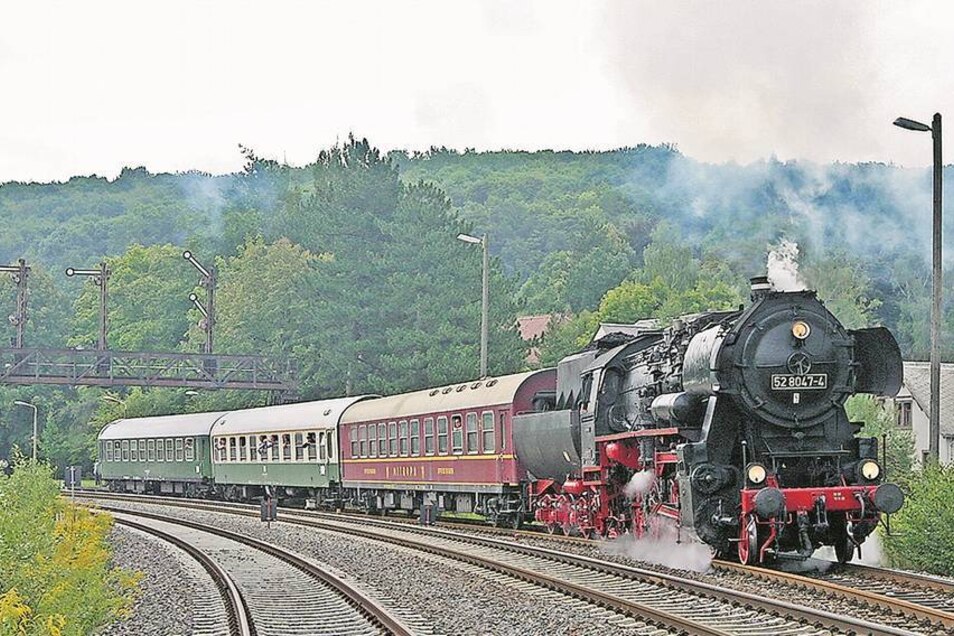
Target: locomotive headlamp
[869,470]
[756,473]
[800,329]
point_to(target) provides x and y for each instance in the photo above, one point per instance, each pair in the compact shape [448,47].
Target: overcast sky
[90,87]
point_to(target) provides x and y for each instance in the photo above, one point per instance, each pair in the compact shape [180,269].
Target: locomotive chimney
[760,287]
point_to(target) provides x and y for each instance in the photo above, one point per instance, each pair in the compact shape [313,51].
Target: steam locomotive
[727,426]
[730,426]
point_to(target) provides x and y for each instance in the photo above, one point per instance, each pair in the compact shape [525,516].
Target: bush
[922,532]
[55,578]
[897,443]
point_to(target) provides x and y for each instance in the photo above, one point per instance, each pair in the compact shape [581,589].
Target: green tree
[148,301]
[397,303]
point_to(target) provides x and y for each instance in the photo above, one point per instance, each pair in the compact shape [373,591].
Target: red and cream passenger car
[451,447]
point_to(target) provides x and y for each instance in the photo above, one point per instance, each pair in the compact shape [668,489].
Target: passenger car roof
[455,397]
[188,425]
[320,414]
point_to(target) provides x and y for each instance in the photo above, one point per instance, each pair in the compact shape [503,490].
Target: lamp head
[187,255]
[467,238]
[910,124]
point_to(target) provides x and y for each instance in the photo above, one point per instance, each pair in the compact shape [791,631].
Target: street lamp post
[115,400]
[484,299]
[32,406]
[935,408]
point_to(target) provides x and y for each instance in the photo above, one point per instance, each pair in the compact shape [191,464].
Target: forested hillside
[350,265]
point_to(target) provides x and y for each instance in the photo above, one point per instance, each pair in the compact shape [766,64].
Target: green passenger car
[291,448]
[162,455]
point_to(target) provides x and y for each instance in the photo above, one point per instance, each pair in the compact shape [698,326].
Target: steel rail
[907,578]
[369,607]
[921,612]
[237,610]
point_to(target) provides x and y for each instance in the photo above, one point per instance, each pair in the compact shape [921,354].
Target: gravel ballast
[170,585]
[449,597]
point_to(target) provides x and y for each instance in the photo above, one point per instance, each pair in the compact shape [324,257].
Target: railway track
[924,599]
[232,616]
[673,603]
[272,591]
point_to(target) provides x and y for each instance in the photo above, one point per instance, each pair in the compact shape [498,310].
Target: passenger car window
[457,434]
[415,437]
[429,436]
[488,432]
[403,439]
[442,435]
[472,447]
[382,440]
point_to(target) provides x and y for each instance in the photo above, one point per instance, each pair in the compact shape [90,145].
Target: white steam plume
[783,267]
[665,548]
[639,484]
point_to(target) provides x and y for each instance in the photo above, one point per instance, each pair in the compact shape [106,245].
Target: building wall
[920,427]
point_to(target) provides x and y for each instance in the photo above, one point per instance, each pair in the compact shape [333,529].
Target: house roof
[531,327]
[917,379]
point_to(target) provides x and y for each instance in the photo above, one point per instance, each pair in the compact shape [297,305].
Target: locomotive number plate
[807,382]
